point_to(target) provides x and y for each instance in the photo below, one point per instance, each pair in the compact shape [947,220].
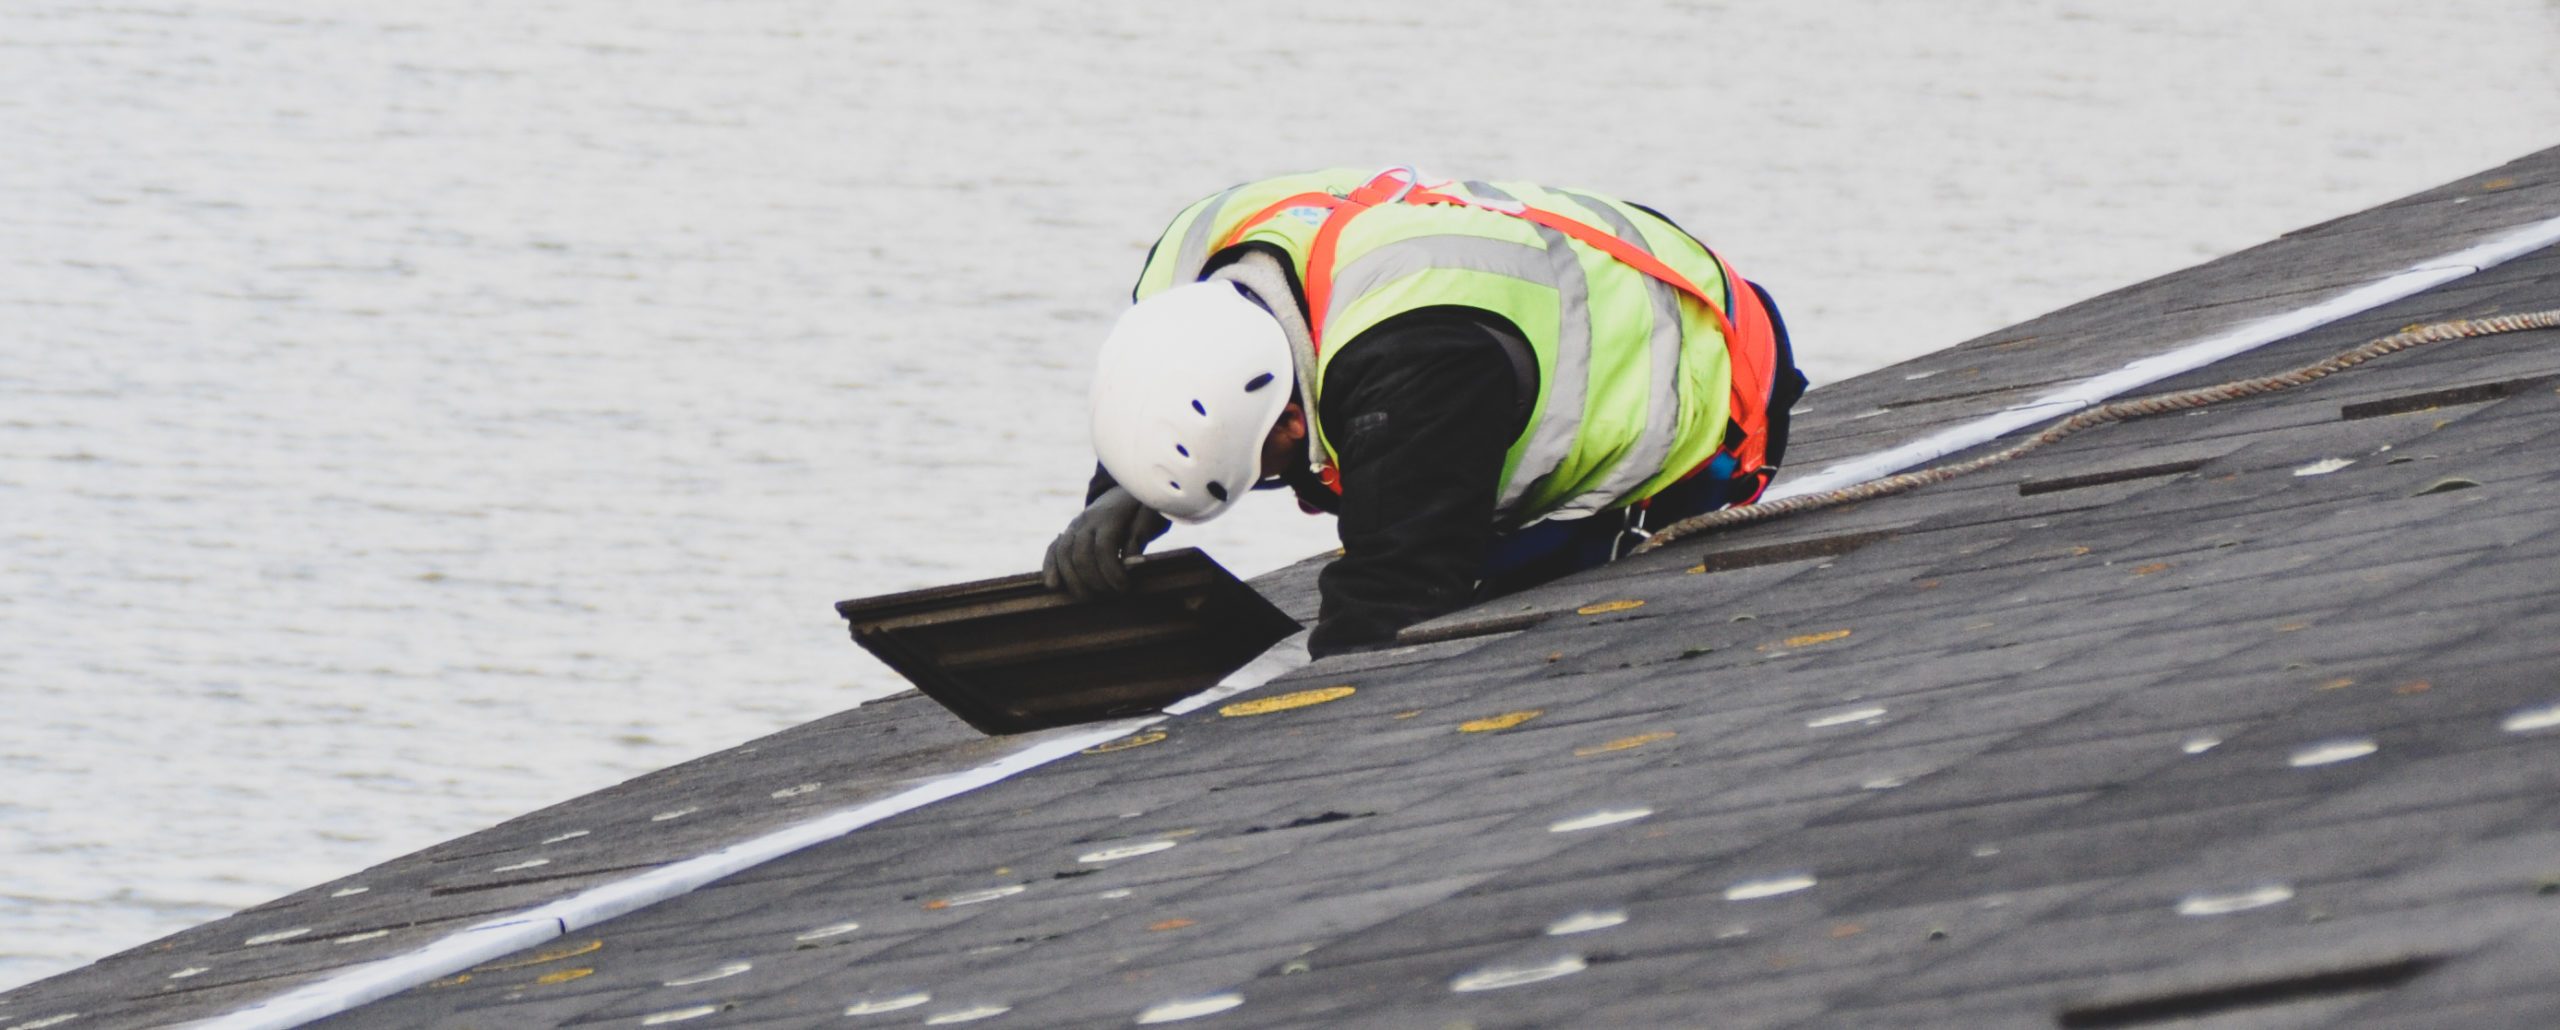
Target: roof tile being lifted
[2241,716]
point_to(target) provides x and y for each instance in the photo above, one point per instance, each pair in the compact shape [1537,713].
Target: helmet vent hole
[1197,406]
[1171,483]
[1258,382]
[1217,490]
[1186,452]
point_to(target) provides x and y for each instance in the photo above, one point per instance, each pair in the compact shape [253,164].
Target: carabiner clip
[1412,178]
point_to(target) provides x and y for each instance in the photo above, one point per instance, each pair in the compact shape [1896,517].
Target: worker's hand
[1089,557]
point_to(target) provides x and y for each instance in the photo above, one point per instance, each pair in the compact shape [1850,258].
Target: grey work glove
[1088,558]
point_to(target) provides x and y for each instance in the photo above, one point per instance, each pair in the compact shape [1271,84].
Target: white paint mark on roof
[356,937]
[678,1015]
[348,892]
[2540,717]
[1494,978]
[971,1014]
[1125,851]
[1867,714]
[1596,820]
[824,932]
[1189,1008]
[677,814]
[2331,752]
[1585,922]
[40,1024]
[2200,745]
[1769,887]
[723,972]
[2324,466]
[571,835]
[2221,903]
[887,1003]
[981,896]
[531,863]
[1883,783]
[190,971]
[270,938]
[796,791]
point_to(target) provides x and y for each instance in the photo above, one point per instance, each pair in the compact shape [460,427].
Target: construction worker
[1489,385]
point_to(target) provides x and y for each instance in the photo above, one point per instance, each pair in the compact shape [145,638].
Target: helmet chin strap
[1261,273]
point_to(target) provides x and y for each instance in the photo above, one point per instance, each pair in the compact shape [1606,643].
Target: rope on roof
[2115,411]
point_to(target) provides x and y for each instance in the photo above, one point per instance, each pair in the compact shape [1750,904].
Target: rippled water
[413,414]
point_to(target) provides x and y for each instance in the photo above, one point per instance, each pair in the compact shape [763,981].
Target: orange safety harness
[1751,346]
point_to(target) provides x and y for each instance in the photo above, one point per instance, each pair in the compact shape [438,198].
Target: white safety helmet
[1190,383]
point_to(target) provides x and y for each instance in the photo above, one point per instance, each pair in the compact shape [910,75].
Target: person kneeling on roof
[1489,384]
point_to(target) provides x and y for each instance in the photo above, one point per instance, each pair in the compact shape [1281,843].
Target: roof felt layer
[2241,716]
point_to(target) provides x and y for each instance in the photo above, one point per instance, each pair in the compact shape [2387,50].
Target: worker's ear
[1292,426]
[1286,441]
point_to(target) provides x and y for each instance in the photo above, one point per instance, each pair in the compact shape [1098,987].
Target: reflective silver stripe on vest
[1195,240]
[1662,394]
[1568,387]
[1418,254]
[1568,393]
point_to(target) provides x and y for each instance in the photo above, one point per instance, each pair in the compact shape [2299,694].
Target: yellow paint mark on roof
[1169,924]
[563,976]
[1125,743]
[1698,568]
[1406,715]
[2413,687]
[2158,566]
[2293,627]
[1810,639]
[2340,683]
[1623,743]
[1605,607]
[1284,702]
[2497,184]
[540,957]
[1503,721]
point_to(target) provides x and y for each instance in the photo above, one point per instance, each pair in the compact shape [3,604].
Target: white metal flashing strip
[2248,336]
[506,935]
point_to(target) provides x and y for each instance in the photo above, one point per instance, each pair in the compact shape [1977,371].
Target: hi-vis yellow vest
[1627,315]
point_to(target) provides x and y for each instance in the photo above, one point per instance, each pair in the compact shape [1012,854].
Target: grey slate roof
[2259,740]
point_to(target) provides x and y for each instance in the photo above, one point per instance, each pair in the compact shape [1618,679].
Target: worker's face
[1281,447]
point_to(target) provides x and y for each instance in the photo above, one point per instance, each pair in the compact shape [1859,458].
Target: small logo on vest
[1308,213]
